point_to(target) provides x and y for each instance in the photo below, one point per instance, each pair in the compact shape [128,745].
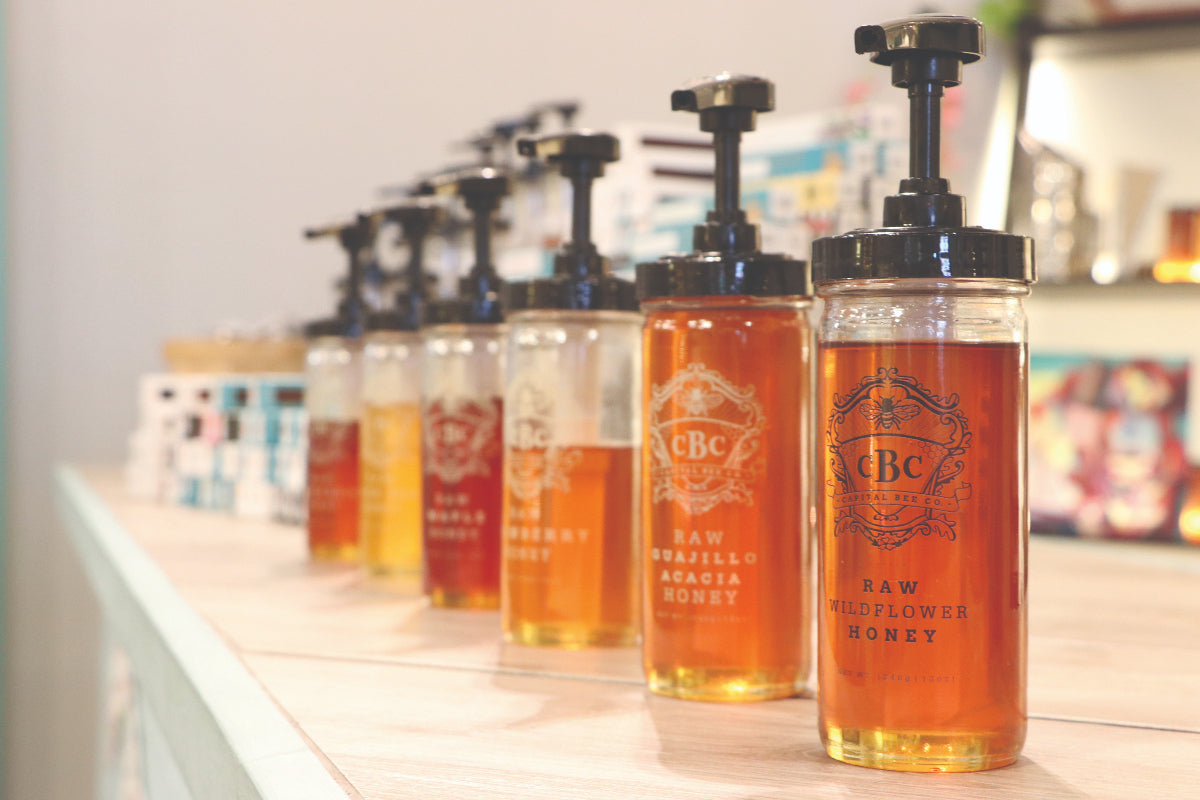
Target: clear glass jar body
[390,453]
[727,504]
[462,414]
[571,462]
[332,375]
[922,523]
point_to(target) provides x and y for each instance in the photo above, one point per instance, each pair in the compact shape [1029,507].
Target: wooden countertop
[376,695]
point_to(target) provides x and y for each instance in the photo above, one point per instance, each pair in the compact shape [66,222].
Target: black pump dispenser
[482,189]
[923,234]
[580,280]
[416,217]
[727,260]
[357,239]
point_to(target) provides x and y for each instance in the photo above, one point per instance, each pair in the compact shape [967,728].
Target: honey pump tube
[332,397]
[572,433]
[727,348]
[462,412]
[390,449]
[922,519]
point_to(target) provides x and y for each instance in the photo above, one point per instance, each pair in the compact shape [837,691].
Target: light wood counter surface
[282,679]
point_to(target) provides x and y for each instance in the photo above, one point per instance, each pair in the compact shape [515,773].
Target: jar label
[705,440]
[896,452]
[534,463]
[459,434]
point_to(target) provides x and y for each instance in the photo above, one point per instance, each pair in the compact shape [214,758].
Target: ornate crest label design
[705,440]
[388,437]
[330,441]
[895,450]
[533,463]
[460,435]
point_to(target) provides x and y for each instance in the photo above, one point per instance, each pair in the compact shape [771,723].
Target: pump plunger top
[481,189]
[416,216]
[923,233]
[357,238]
[727,259]
[580,280]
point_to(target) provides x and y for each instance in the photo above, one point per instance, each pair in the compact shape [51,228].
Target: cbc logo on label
[460,436]
[705,440]
[532,462]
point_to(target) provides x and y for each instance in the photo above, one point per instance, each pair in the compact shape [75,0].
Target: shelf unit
[262,676]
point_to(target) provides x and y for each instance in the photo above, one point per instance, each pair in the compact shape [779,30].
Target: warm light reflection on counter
[1177,271]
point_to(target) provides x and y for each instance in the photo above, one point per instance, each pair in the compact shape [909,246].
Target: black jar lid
[924,233]
[899,252]
[404,315]
[476,310]
[714,274]
[593,293]
[727,260]
[344,327]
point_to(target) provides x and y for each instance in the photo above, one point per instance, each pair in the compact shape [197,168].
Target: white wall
[164,155]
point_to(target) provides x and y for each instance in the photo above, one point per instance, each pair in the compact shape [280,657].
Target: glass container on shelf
[390,449]
[462,414]
[923,520]
[572,433]
[333,373]
[728,362]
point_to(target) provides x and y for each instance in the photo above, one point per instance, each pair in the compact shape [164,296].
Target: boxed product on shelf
[213,441]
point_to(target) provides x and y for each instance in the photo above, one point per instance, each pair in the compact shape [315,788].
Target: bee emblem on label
[460,435]
[896,453]
[705,440]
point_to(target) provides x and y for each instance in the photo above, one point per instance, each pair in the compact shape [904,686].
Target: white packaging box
[292,508]
[222,497]
[291,468]
[276,391]
[254,499]
[293,426]
[204,493]
[187,491]
[228,461]
[197,459]
[161,394]
[258,426]
[256,462]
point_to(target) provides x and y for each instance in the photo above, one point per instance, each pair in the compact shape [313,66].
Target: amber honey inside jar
[726,491]
[922,523]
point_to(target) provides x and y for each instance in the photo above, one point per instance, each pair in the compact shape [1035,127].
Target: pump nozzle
[581,157]
[481,189]
[565,109]
[357,238]
[926,53]
[727,105]
[416,218]
[581,280]
[727,261]
[924,235]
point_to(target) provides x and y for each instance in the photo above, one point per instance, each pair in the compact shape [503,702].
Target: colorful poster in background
[1106,446]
